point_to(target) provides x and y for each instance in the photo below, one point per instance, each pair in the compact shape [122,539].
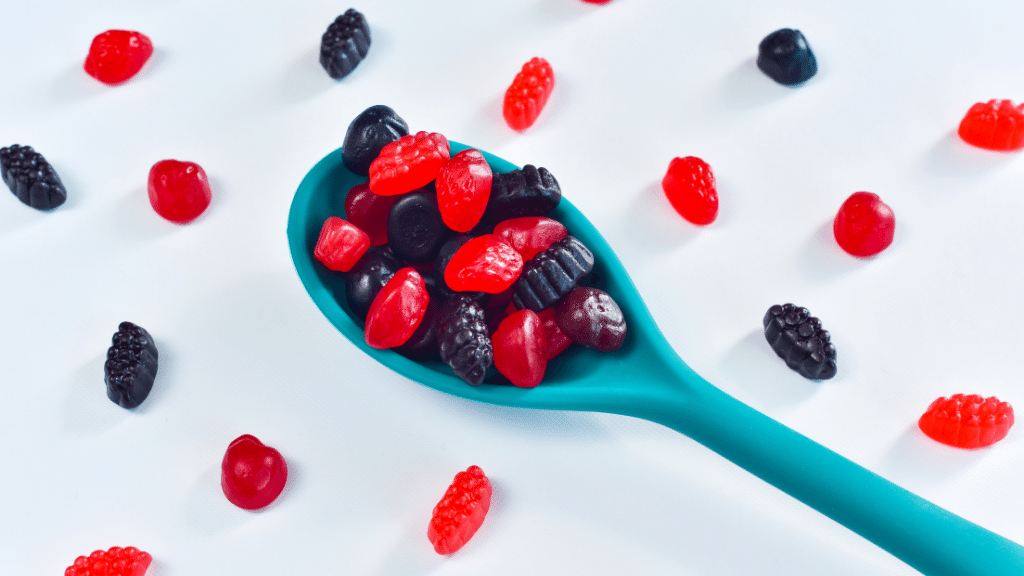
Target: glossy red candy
[116,561]
[528,94]
[555,341]
[369,212]
[178,191]
[996,125]
[519,349]
[117,55]
[397,310]
[967,421]
[484,264]
[411,162]
[463,188]
[689,185]
[252,474]
[592,318]
[531,235]
[461,511]
[341,244]
[864,225]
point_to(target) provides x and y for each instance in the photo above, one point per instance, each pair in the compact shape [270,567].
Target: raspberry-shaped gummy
[116,561]
[797,337]
[344,44]
[531,235]
[461,511]
[368,134]
[397,310]
[367,277]
[528,94]
[785,56]
[484,264]
[463,189]
[178,191]
[411,162]
[117,55]
[341,244]
[552,274]
[31,178]
[689,186]
[252,474]
[520,349]
[967,421]
[131,365]
[995,125]
[463,339]
[864,225]
[527,191]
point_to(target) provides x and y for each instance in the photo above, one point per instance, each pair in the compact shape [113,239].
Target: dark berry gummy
[864,225]
[484,264]
[552,274]
[178,191]
[463,188]
[422,345]
[341,244]
[367,277]
[528,191]
[397,310]
[528,94]
[369,212]
[31,178]
[785,57]
[368,134]
[252,474]
[409,163]
[995,125]
[591,317]
[797,337]
[690,187]
[520,349]
[415,228]
[344,44]
[463,338]
[117,561]
[461,511]
[967,421]
[131,365]
[117,55]
[531,235]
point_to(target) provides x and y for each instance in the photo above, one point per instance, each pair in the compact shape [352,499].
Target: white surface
[237,88]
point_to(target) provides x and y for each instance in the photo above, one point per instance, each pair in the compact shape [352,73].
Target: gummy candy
[967,421]
[345,43]
[996,125]
[131,365]
[341,244]
[591,317]
[463,188]
[483,264]
[531,235]
[461,511]
[555,341]
[864,225]
[797,338]
[552,274]
[519,349]
[463,339]
[689,186]
[367,277]
[528,94]
[370,131]
[117,55]
[117,561]
[785,57]
[252,474]
[178,191]
[31,178]
[528,191]
[397,310]
[411,162]
[422,345]
[369,212]
[415,228]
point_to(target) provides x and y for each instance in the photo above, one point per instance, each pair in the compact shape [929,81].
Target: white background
[236,87]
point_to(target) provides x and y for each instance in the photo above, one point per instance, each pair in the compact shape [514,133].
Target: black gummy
[797,337]
[528,191]
[415,228]
[785,57]
[131,365]
[552,274]
[31,178]
[369,274]
[463,339]
[422,345]
[345,44]
[372,130]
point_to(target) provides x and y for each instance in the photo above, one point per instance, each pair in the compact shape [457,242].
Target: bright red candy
[555,341]
[461,511]
[689,185]
[116,561]
[117,55]
[463,188]
[864,225]
[519,349]
[967,421]
[369,212]
[397,310]
[531,235]
[528,94]
[341,244]
[178,191]
[252,474]
[996,125]
[484,264]
[411,162]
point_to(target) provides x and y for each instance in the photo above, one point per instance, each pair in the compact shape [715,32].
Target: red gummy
[369,212]
[519,349]
[461,511]
[397,310]
[484,264]
[411,162]
[555,341]
[864,225]
[178,191]
[116,561]
[995,125]
[689,185]
[528,94]
[117,55]
[252,474]
[341,244]
[531,235]
[967,421]
[463,188]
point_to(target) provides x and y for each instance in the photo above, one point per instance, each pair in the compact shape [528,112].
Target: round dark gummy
[367,277]
[785,57]
[591,317]
[369,132]
[415,229]
[422,345]
[528,191]
[552,274]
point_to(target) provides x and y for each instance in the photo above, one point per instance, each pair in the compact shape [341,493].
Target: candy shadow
[85,408]
[654,224]
[951,157]
[156,568]
[823,260]
[207,511]
[747,87]
[14,214]
[304,78]
[74,86]
[755,368]
[134,217]
[488,125]
[153,67]
[914,458]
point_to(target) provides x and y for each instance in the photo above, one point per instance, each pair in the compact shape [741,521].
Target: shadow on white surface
[134,217]
[206,510]
[559,13]
[654,225]
[304,78]
[15,215]
[763,376]
[746,87]
[951,157]
[823,260]
[74,86]
[916,459]
[85,408]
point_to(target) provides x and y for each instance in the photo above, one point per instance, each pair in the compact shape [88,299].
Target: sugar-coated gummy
[967,420]
[415,228]
[591,317]
[397,310]
[785,57]
[367,277]
[463,339]
[798,338]
[178,190]
[995,125]
[31,178]
[370,131]
[864,225]
[528,191]
[520,349]
[117,55]
[461,511]
[253,474]
[552,274]
[344,44]
[116,561]
[131,365]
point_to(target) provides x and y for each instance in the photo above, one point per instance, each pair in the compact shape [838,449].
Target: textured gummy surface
[117,55]
[528,94]
[463,340]
[31,178]
[131,365]
[253,474]
[967,421]
[483,264]
[345,43]
[529,191]
[116,561]
[797,337]
[552,274]
[370,131]
[463,190]
[995,125]
[341,244]
[591,317]
[461,511]
[785,57]
[690,187]
[409,163]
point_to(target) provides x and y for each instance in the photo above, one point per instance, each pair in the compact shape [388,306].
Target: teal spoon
[647,379]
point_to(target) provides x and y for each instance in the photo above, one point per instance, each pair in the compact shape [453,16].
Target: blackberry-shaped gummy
[31,178]
[463,339]
[797,337]
[786,58]
[367,277]
[345,44]
[372,130]
[528,191]
[131,365]
[552,274]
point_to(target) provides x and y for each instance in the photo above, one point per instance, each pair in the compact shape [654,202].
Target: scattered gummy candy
[996,125]
[461,511]
[31,178]
[967,421]
[864,225]
[131,365]
[797,337]
[116,561]
[178,191]
[117,55]
[785,57]
[528,94]
[252,474]
[345,43]
[689,186]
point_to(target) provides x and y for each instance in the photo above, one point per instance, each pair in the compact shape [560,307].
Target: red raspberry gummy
[341,244]
[689,185]
[996,125]
[369,212]
[179,191]
[967,421]
[116,561]
[864,225]
[484,264]
[411,162]
[531,235]
[519,349]
[528,94]
[461,511]
[252,474]
[117,55]
[463,187]
[397,310]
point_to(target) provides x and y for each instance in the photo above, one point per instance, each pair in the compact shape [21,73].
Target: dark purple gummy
[591,317]
[372,130]
[552,274]
[31,178]
[415,228]
[528,191]
[798,338]
[367,277]
[463,339]
[344,44]
[422,345]
[131,366]
[785,57]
